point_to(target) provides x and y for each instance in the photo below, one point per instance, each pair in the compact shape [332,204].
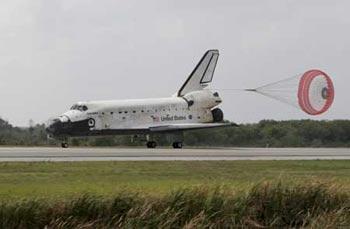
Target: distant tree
[292,133]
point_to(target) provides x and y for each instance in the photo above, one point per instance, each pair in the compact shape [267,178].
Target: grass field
[63,179]
[202,194]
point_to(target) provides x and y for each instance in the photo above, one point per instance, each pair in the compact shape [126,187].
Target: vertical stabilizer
[202,75]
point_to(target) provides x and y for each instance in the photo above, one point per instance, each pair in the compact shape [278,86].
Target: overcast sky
[57,52]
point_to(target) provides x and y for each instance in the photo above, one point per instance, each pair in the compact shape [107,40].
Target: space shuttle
[193,107]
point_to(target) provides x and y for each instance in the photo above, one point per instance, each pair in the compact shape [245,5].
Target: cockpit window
[74,107]
[79,107]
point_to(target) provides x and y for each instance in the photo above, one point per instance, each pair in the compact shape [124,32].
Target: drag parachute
[312,92]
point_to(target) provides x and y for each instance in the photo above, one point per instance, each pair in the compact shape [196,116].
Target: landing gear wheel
[177,145]
[151,145]
[64,145]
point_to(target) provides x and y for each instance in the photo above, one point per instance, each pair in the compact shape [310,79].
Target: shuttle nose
[53,126]
[57,126]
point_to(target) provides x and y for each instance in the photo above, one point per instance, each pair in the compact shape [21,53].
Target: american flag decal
[155,118]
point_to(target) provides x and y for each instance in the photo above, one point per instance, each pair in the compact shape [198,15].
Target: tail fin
[202,75]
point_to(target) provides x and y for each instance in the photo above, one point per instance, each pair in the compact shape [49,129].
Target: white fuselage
[195,107]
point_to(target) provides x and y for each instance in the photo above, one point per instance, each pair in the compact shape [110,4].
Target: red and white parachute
[312,92]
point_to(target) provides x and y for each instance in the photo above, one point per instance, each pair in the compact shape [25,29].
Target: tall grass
[265,205]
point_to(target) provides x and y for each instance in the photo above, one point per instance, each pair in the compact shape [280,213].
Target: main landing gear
[177,145]
[153,144]
[175,137]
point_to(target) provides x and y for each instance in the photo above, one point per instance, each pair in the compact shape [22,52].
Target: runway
[8,154]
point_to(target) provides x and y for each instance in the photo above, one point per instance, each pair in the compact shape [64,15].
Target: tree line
[266,133]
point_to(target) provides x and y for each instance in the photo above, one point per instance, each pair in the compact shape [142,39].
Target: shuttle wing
[188,126]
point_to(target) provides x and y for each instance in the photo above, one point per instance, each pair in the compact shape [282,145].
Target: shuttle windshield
[79,107]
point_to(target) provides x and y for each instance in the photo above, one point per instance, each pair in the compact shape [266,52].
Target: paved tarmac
[167,154]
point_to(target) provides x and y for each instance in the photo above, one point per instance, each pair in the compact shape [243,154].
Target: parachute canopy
[312,92]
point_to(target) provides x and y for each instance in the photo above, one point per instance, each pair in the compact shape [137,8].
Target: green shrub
[265,205]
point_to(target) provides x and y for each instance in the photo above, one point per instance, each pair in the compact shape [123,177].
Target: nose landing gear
[151,144]
[64,145]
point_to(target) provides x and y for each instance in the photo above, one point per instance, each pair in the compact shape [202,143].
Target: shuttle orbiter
[194,106]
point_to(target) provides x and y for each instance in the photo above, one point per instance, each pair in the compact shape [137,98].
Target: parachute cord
[228,89]
[280,81]
[286,101]
[261,87]
[249,89]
